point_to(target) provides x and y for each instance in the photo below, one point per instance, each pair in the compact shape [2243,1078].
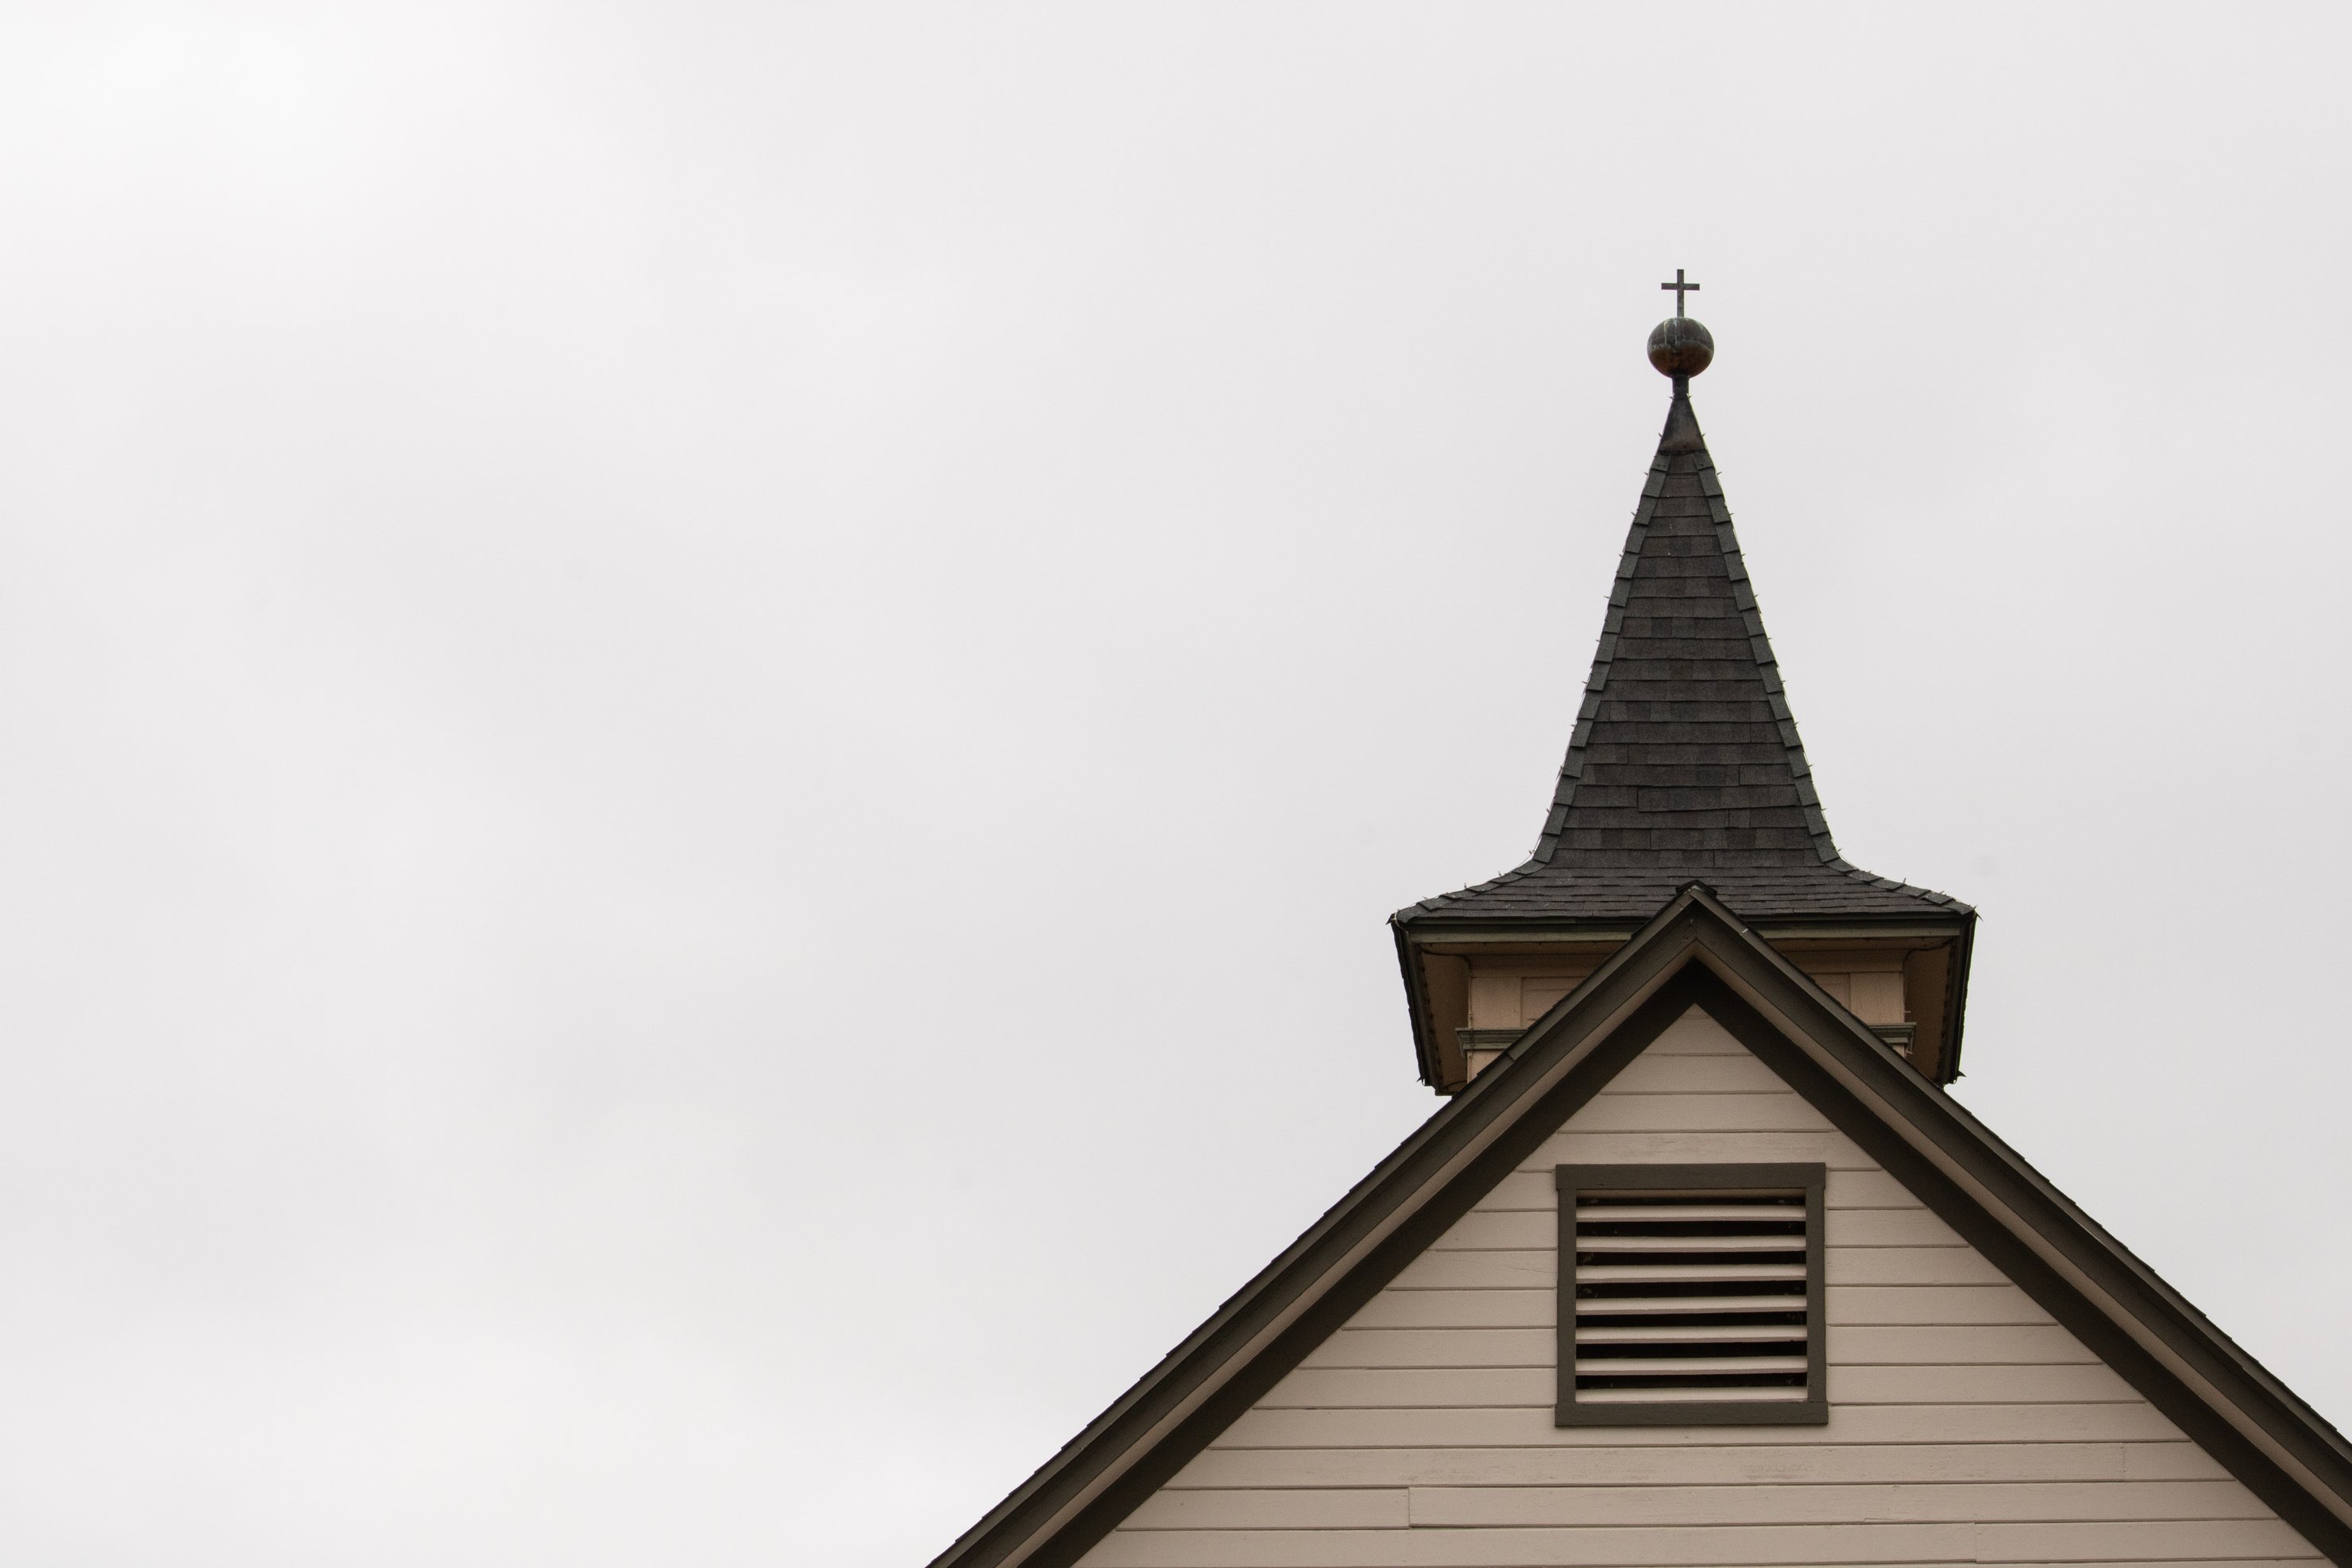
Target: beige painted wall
[1965,1424]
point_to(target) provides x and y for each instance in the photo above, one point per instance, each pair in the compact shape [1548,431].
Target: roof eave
[1957,1006]
[1424,925]
[1416,1004]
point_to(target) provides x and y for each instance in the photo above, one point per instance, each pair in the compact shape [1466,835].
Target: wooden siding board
[1654,1074]
[1698,1147]
[1480,1271]
[1512,1229]
[1961,1502]
[1634,1547]
[1999,1344]
[1685,1113]
[1528,1426]
[1527,1228]
[2018,1344]
[2132,1540]
[1910,1266]
[2093,1384]
[1272,1507]
[2169,1462]
[2165,1545]
[1931,1304]
[1683,1041]
[1870,1188]
[1435,1347]
[1905,1267]
[1767,1462]
[1890,1227]
[1526,1309]
[1397,1388]
[1527,1189]
[1530,1187]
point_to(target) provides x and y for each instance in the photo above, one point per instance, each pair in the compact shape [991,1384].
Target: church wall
[1965,1426]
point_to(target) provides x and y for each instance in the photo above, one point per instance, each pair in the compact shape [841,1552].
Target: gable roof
[1685,763]
[1694,952]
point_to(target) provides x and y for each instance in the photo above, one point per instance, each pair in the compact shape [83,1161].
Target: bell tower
[1684,766]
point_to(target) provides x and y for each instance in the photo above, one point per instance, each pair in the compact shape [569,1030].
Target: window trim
[1812,1410]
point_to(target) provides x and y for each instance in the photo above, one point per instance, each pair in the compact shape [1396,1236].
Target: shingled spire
[1685,764]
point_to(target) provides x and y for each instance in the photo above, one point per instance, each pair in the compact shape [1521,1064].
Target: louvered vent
[1692,1298]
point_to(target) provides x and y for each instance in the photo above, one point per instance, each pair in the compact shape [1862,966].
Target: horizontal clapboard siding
[1831,1503]
[1512,1428]
[1324,1508]
[1712,1546]
[1378,1388]
[1975,1344]
[1512,1229]
[1851,1187]
[1965,1424]
[1818,1464]
[1477,1268]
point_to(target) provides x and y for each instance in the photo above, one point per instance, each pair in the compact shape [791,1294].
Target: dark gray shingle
[1686,764]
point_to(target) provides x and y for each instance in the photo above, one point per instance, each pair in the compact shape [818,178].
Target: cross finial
[1680,289]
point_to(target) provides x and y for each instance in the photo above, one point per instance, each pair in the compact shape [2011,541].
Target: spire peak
[1682,433]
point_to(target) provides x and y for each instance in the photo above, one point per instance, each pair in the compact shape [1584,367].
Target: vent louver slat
[1676,1298]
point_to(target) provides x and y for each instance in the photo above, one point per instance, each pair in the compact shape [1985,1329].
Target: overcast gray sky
[707,712]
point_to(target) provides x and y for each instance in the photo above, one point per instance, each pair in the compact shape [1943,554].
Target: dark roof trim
[1956,1002]
[1445,925]
[1694,953]
[1416,1007]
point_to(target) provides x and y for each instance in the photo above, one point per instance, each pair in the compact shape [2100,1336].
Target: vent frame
[1736,1182]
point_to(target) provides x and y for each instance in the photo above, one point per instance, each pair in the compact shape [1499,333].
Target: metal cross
[1680,288]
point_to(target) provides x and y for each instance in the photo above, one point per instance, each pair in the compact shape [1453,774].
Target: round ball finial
[1680,346]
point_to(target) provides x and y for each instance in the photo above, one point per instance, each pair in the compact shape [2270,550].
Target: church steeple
[1684,766]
